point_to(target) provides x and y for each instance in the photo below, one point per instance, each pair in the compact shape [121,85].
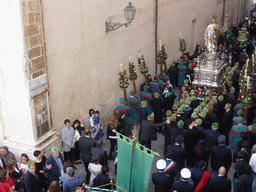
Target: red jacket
[6,185]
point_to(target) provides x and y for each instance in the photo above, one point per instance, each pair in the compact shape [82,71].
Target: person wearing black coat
[147,131]
[85,144]
[102,178]
[172,71]
[220,183]
[178,154]
[183,185]
[116,123]
[227,122]
[31,179]
[197,174]
[169,98]
[157,107]
[221,155]
[220,109]
[245,180]
[160,179]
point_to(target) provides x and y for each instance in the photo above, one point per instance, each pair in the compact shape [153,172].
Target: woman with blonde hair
[116,123]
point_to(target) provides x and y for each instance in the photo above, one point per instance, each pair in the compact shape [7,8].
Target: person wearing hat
[54,165]
[165,77]
[148,131]
[125,110]
[172,71]
[200,177]
[230,96]
[145,95]
[236,131]
[160,83]
[171,168]
[178,154]
[182,69]
[183,185]
[160,179]
[170,131]
[133,103]
[226,125]
[169,98]
[157,107]
[143,114]
[221,156]
[187,88]
[31,180]
[154,86]
[211,136]
[220,108]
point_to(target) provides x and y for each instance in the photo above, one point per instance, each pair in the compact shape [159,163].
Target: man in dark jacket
[143,114]
[147,127]
[171,168]
[220,183]
[85,144]
[183,185]
[221,156]
[102,178]
[54,165]
[230,97]
[200,177]
[157,106]
[178,154]
[227,122]
[172,71]
[154,86]
[219,110]
[102,154]
[160,179]
[31,179]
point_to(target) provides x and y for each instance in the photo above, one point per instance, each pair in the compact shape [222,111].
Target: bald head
[222,171]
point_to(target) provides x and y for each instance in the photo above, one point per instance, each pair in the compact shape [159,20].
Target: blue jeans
[254,184]
[235,182]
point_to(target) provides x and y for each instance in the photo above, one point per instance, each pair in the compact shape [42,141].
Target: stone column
[24,108]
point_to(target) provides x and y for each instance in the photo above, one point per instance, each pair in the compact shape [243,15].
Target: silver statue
[211,36]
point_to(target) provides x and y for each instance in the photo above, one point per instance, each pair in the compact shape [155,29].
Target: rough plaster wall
[83,61]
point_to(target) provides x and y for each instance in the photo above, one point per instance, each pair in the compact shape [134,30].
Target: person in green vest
[133,103]
[145,95]
[236,132]
[182,69]
[160,82]
[165,77]
[125,110]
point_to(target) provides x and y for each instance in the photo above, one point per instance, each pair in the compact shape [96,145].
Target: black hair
[105,169]
[36,153]
[87,132]
[155,78]
[66,121]
[75,122]
[90,112]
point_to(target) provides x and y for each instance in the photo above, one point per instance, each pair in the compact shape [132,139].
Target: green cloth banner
[141,168]
[141,165]
[124,162]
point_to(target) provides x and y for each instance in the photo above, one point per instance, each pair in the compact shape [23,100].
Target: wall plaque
[38,85]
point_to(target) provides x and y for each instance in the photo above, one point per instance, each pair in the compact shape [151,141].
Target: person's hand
[123,116]
[48,166]
[75,137]
[72,145]
[41,171]
[168,121]
[182,144]
[18,165]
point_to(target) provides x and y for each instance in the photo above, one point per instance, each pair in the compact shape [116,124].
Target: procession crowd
[198,131]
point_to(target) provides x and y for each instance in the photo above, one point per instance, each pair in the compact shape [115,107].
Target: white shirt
[253,162]
[91,121]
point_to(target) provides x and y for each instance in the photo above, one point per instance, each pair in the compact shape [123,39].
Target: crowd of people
[203,137]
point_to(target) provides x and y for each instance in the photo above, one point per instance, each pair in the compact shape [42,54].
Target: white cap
[161,164]
[185,173]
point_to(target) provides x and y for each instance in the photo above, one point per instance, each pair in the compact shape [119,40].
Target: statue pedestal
[210,70]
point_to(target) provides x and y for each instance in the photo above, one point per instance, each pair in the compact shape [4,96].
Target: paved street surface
[157,146]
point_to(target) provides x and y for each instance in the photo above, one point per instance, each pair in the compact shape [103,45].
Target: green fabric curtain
[141,165]
[141,168]
[124,162]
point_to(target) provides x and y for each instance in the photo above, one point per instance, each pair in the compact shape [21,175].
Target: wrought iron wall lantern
[129,13]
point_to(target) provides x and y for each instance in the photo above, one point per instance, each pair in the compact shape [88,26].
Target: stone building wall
[36,60]
[83,60]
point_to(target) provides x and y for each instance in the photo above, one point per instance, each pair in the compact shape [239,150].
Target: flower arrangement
[142,64]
